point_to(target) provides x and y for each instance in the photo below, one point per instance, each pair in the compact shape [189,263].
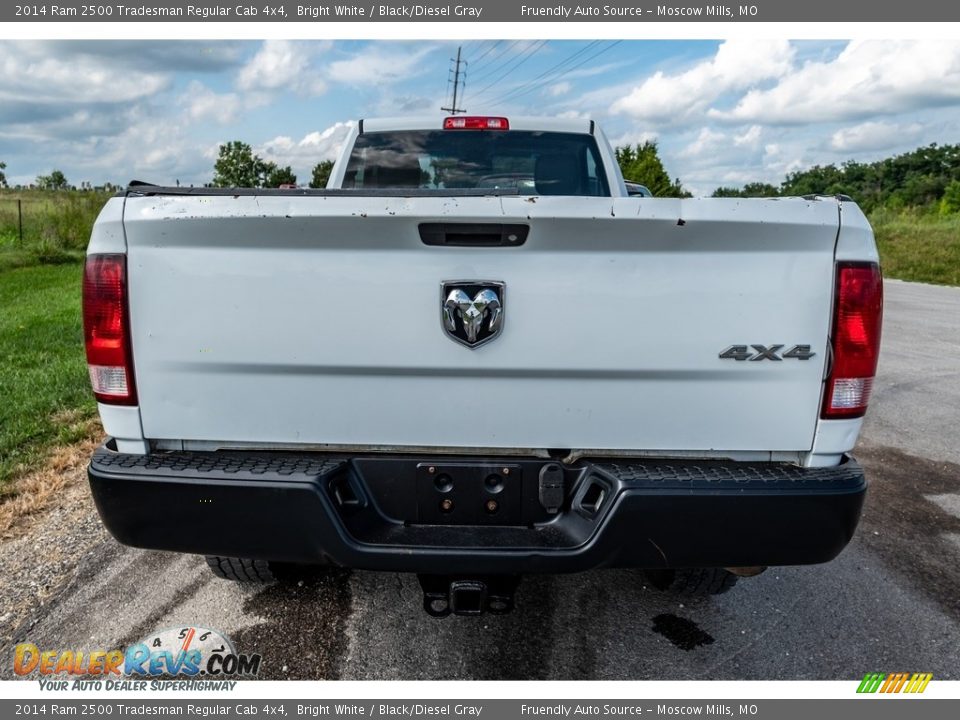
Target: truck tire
[692,582]
[241,569]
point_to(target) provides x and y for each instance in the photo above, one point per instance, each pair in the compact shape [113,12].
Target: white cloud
[573,115]
[721,156]
[714,147]
[29,73]
[389,105]
[707,141]
[71,122]
[634,138]
[302,155]
[202,103]
[373,66]
[560,88]
[144,150]
[748,138]
[180,55]
[873,135]
[101,113]
[737,65]
[789,154]
[283,65]
[868,78]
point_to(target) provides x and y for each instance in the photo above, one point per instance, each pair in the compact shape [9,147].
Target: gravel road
[890,602]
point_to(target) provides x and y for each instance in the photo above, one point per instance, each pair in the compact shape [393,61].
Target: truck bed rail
[149,190]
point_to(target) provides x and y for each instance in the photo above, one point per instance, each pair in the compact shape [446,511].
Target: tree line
[238,166]
[642,164]
[925,178]
[928,177]
[54,181]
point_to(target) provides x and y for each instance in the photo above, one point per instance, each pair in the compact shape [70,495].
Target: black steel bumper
[391,513]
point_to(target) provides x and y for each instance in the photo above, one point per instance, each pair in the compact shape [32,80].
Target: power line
[580,64]
[550,70]
[504,53]
[529,87]
[487,51]
[496,59]
[530,52]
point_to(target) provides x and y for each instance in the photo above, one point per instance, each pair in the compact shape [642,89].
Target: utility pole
[456,84]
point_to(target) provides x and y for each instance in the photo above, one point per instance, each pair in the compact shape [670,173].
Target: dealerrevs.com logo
[183,652]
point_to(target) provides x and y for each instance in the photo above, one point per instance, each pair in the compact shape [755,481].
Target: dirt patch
[47,524]
[914,534]
[42,552]
[40,489]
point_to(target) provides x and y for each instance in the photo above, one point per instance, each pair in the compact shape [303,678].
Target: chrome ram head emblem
[472,310]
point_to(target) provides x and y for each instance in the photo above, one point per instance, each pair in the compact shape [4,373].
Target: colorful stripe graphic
[894,682]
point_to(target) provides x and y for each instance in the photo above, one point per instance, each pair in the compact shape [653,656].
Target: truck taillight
[858,313]
[106,329]
[473,122]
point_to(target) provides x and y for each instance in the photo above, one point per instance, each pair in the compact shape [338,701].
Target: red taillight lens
[106,329]
[476,123]
[858,314]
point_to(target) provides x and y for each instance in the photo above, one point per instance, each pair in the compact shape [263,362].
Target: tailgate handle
[473,234]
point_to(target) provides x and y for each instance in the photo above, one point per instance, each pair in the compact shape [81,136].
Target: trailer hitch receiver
[444,595]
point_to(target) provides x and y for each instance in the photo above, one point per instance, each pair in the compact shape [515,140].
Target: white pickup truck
[474,356]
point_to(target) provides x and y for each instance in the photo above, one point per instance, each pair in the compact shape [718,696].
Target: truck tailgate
[317,320]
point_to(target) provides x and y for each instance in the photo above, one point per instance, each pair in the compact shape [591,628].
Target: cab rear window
[534,163]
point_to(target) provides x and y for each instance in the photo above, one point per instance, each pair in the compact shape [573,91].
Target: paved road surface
[890,602]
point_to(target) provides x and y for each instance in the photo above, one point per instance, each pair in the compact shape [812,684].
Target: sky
[723,112]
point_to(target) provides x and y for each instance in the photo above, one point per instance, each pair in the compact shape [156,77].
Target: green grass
[923,247]
[45,397]
[55,223]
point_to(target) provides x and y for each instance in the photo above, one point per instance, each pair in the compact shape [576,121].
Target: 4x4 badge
[766,352]
[471,311]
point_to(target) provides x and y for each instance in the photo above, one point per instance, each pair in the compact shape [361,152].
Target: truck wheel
[692,582]
[241,569]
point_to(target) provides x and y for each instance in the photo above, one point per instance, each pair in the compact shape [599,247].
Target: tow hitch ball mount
[444,594]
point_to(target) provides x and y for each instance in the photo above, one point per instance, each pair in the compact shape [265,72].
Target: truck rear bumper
[433,515]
